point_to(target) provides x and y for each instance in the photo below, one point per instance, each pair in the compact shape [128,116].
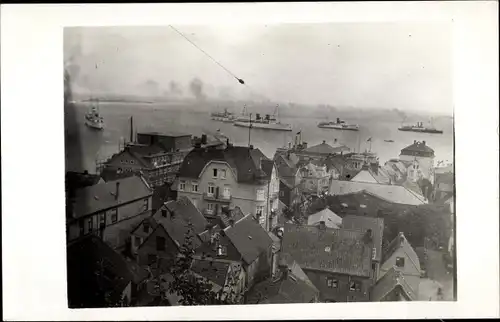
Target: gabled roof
[325,148]
[363,223]
[101,196]
[212,269]
[391,281]
[332,250]
[184,214]
[418,148]
[88,257]
[283,289]
[108,174]
[331,219]
[267,166]
[231,214]
[290,160]
[150,221]
[249,238]
[245,161]
[391,193]
[400,242]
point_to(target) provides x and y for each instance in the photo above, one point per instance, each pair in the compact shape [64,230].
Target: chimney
[289,145]
[251,147]
[322,225]
[203,139]
[85,172]
[304,145]
[414,141]
[423,142]
[324,141]
[117,193]
[283,269]
[231,222]
[401,238]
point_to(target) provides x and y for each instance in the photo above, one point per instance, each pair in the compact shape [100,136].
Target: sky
[366,65]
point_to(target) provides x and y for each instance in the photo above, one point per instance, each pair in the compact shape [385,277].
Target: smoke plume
[196,88]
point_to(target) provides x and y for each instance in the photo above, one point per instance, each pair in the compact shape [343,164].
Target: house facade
[421,159]
[402,257]
[233,177]
[314,178]
[157,156]
[336,261]
[97,209]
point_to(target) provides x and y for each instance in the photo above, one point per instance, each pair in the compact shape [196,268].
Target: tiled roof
[391,281]
[150,221]
[88,256]
[249,238]
[325,148]
[102,196]
[284,289]
[108,174]
[267,166]
[243,160]
[391,193]
[121,230]
[363,224]
[164,133]
[331,219]
[333,250]
[211,269]
[184,213]
[401,242]
[290,160]
[417,148]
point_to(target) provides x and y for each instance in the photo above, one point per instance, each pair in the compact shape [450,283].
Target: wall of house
[426,165]
[149,248]
[124,161]
[242,195]
[124,212]
[410,272]
[341,293]
[285,194]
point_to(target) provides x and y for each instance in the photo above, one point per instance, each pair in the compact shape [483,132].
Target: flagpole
[249,129]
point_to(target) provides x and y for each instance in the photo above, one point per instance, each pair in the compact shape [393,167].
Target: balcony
[217,197]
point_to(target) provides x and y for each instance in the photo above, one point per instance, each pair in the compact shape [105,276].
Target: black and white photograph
[255,161]
[290,163]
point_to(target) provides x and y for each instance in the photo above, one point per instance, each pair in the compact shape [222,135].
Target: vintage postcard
[242,164]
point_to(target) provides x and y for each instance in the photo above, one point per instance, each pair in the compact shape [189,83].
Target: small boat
[420,128]
[339,125]
[390,141]
[93,118]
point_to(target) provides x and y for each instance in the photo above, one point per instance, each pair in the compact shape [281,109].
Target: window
[332,282]
[114,215]
[227,192]
[260,210]
[145,204]
[132,161]
[223,174]
[354,286]
[164,213]
[182,185]
[89,224]
[211,189]
[210,206]
[374,253]
[260,194]
[282,193]
[195,186]
[221,250]
[160,243]
[214,173]
[137,241]
[146,227]
[400,262]
[102,219]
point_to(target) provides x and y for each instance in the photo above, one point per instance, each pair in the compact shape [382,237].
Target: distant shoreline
[117,100]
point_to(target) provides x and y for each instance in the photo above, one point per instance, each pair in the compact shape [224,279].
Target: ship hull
[341,128]
[421,131]
[274,127]
[94,125]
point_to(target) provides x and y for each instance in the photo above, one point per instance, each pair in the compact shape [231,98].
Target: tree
[193,289]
